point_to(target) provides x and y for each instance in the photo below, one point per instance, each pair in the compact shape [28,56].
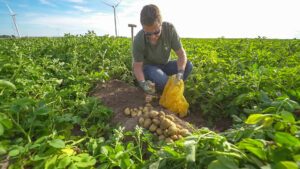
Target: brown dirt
[118,95]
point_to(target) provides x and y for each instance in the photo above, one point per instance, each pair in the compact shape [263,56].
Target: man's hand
[179,76]
[147,86]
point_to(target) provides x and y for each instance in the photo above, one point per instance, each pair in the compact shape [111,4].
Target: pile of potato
[158,122]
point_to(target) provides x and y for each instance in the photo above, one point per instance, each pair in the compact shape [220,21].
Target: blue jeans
[159,74]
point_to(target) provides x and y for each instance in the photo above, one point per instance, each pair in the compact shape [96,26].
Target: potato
[159,131]
[153,113]
[148,98]
[145,109]
[166,132]
[133,113]
[146,114]
[127,111]
[141,120]
[184,132]
[162,113]
[170,117]
[156,121]
[165,123]
[172,130]
[174,137]
[147,123]
[161,117]
[179,126]
[172,124]
[161,137]
[153,127]
[139,113]
[169,140]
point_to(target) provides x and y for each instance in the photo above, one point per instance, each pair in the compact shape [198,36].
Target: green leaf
[106,150]
[104,166]
[269,110]
[287,116]
[3,149]
[281,154]
[7,84]
[7,123]
[41,139]
[50,163]
[293,129]
[73,166]
[126,163]
[155,165]
[279,126]
[241,98]
[216,164]
[236,118]
[64,162]
[75,158]
[1,129]
[38,157]
[119,154]
[14,152]
[57,143]
[254,118]
[171,151]
[286,165]
[297,157]
[268,166]
[4,119]
[85,164]
[254,146]
[286,139]
[190,147]
[84,160]
[267,121]
[228,162]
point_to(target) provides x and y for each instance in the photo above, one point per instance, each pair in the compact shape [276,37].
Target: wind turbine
[114,7]
[13,15]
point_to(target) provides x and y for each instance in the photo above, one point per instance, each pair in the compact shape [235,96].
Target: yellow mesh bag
[172,97]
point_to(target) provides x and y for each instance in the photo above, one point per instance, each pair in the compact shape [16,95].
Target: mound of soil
[119,95]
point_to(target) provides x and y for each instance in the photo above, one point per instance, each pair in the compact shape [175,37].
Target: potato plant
[44,93]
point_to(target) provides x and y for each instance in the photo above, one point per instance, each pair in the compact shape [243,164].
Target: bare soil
[119,95]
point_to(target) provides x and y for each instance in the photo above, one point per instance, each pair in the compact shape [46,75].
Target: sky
[274,19]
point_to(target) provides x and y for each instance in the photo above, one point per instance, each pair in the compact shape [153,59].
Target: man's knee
[189,66]
[157,76]
[160,84]
[188,69]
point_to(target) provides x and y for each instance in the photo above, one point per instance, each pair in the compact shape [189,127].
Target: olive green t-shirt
[144,51]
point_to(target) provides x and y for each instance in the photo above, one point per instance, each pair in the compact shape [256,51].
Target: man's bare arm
[138,71]
[182,59]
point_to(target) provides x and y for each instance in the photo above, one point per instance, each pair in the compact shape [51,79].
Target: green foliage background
[48,119]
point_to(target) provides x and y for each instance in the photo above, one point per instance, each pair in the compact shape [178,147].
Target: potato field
[50,120]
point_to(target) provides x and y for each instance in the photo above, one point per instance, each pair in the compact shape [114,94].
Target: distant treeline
[7,36]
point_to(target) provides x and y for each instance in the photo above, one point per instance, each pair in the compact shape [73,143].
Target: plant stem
[21,129]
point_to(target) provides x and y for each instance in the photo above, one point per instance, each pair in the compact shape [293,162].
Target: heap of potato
[158,122]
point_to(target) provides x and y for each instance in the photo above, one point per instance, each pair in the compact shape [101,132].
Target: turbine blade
[107,3]
[10,11]
[13,15]
[118,3]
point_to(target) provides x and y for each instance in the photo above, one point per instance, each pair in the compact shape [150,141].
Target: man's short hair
[150,14]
